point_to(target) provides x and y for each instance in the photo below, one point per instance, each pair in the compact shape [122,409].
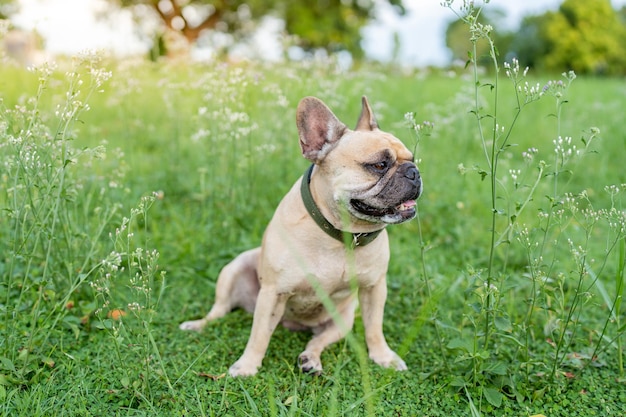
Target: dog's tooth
[406,205]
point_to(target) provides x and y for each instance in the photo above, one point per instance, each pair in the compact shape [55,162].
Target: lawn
[504,295]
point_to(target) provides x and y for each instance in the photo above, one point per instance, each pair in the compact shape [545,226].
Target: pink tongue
[409,204]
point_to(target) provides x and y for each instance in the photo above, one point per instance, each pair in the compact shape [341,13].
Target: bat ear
[318,128]
[367,120]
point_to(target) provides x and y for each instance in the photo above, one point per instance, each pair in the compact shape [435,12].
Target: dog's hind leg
[237,286]
[309,361]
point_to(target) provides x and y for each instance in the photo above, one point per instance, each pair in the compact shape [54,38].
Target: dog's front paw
[310,363]
[195,325]
[242,368]
[389,359]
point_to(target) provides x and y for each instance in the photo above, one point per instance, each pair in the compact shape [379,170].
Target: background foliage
[588,37]
[331,25]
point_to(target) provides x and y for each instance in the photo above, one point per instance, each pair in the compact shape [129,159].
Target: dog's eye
[380,166]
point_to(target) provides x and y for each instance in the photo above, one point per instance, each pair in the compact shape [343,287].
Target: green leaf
[104,324]
[23,355]
[537,394]
[503,324]
[461,344]
[6,364]
[497,368]
[458,381]
[484,354]
[493,396]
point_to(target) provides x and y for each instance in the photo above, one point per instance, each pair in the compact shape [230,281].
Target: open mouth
[405,210]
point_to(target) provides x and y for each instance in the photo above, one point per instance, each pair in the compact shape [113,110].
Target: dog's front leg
[268,312]
[372,299]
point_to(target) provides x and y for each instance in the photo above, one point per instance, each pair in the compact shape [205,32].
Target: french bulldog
[326,248]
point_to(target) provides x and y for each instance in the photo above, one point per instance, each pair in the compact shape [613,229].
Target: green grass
[217,144]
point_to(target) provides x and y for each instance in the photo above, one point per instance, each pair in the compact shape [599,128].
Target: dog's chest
[307,301]
[333,281]
[331,272]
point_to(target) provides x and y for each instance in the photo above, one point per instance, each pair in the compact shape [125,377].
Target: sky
[422,31]
[70,26]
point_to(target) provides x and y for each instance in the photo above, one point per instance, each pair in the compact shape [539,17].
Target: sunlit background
[415,38]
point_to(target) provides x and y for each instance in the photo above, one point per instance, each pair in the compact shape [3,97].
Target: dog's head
[367,172]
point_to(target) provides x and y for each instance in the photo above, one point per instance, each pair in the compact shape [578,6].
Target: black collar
[354,239]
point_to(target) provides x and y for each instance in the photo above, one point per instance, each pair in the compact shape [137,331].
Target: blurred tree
[529,44]
[459,42]
[7,8]
[587,36]
[329,24]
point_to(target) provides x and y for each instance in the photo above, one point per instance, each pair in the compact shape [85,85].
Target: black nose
[412,173]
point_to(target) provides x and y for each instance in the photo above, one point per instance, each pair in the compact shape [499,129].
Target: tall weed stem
[558,290]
